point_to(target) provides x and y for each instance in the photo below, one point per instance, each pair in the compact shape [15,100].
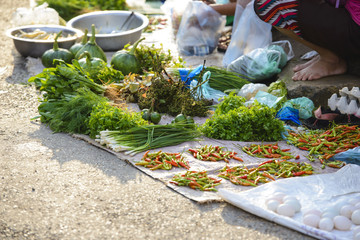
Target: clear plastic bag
[250,90]
[263,63]
[257,65]
[35,15]
[303,104]
[200,29]
[249,33]
[349,156]
[206,91]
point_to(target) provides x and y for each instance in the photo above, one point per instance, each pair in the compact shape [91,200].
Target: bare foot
[322,67]
[304,65]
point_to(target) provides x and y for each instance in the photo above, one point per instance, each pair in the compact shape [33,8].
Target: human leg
[327,63]
[329,31]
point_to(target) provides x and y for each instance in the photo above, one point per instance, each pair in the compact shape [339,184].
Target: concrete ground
[53,186]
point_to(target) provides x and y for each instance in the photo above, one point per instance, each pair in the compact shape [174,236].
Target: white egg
[329,213]
[270,199]
[340,204]
[289,197]
[342,223]
[356,230]
[294,203]
[353,201]
[272,205]
[279,196]
[355,217]
[286,210]
[356,236]
[357,206]
[313,211]
[347,210]
[326,224]
[311,220]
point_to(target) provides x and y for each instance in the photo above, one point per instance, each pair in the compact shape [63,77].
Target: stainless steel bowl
[109,35]
[36,47]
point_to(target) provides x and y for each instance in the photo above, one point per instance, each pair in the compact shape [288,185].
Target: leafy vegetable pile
[71,8]
[105,116]
[254,123]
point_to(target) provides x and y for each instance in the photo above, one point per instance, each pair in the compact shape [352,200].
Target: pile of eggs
[340,216]
[283,204]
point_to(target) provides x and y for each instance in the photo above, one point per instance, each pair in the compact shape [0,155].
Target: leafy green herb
[105,116]
[63,80]
[254,123]
[70,113]
[155,59]
[229,103]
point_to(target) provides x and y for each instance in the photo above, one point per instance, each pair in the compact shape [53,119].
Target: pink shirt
[353,6]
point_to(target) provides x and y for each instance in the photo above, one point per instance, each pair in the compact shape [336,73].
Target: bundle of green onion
[142,138]
[222,80]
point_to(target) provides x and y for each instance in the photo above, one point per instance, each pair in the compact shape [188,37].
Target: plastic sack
[349,156]
[175,10]
[268,99]
[289,114]
[249,33]
[200,29]
[303,104]
[205,90]
[258,65]
[35,15]
[250,90]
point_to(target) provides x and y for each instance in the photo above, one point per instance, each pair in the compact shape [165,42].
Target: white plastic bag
[35,15]
[199,30]
[249,32]
[250,90]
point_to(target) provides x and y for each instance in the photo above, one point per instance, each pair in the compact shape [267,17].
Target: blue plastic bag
[288,114]
[349,156]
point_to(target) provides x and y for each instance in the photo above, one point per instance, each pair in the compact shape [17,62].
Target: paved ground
[53,186]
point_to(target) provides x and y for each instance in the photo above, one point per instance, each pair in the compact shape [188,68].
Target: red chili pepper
[216,155]
[285,150]
[269,161]
[192,150]
[304,148]
[297,157]
[145,154]
[184,165]
[236,158]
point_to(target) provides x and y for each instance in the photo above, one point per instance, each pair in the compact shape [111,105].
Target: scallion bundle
[142,138]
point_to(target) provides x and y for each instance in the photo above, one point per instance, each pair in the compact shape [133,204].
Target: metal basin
[36,47]
[109,35]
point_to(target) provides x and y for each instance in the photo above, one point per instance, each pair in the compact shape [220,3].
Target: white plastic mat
[314,192]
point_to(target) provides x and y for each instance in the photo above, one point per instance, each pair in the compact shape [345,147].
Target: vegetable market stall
[181,168]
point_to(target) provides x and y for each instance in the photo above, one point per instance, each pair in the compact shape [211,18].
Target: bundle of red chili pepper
[163,160]
[213,153]
[326,144]
[265,172]
[196,180]
[268,151]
